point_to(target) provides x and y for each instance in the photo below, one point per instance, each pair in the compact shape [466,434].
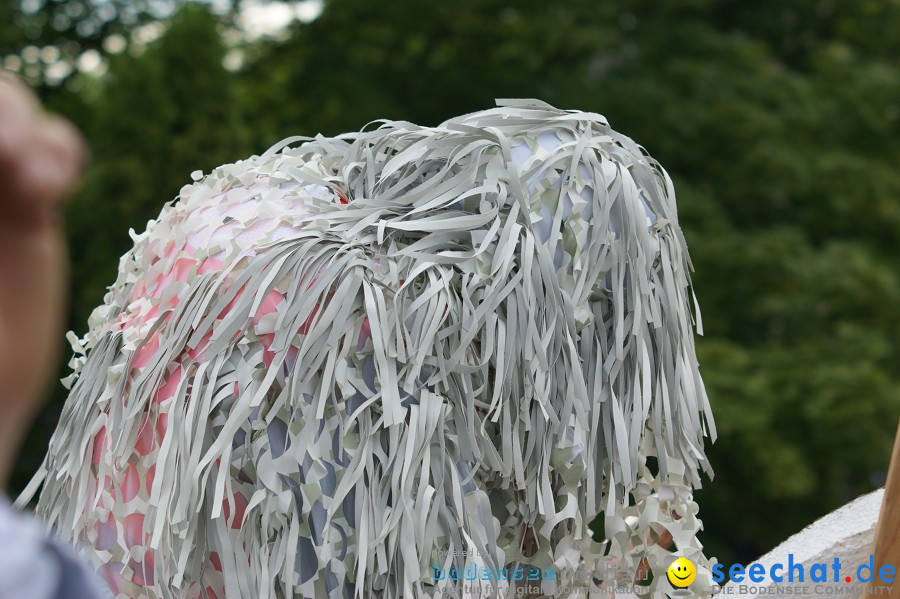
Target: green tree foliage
[784,165]
[73,26]
[161,115]
[778,122]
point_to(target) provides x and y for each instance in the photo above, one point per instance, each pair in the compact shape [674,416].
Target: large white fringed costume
[337,368]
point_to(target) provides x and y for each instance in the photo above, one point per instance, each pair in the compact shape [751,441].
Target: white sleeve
[27,570]
[32,566]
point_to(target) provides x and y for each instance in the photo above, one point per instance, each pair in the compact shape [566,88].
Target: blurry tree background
[778,121]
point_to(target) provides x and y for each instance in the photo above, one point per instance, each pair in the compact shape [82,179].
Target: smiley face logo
[682,573]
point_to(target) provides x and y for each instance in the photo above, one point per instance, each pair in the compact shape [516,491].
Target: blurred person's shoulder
[33,566]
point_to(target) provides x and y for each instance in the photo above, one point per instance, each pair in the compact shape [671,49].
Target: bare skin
[41,157]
